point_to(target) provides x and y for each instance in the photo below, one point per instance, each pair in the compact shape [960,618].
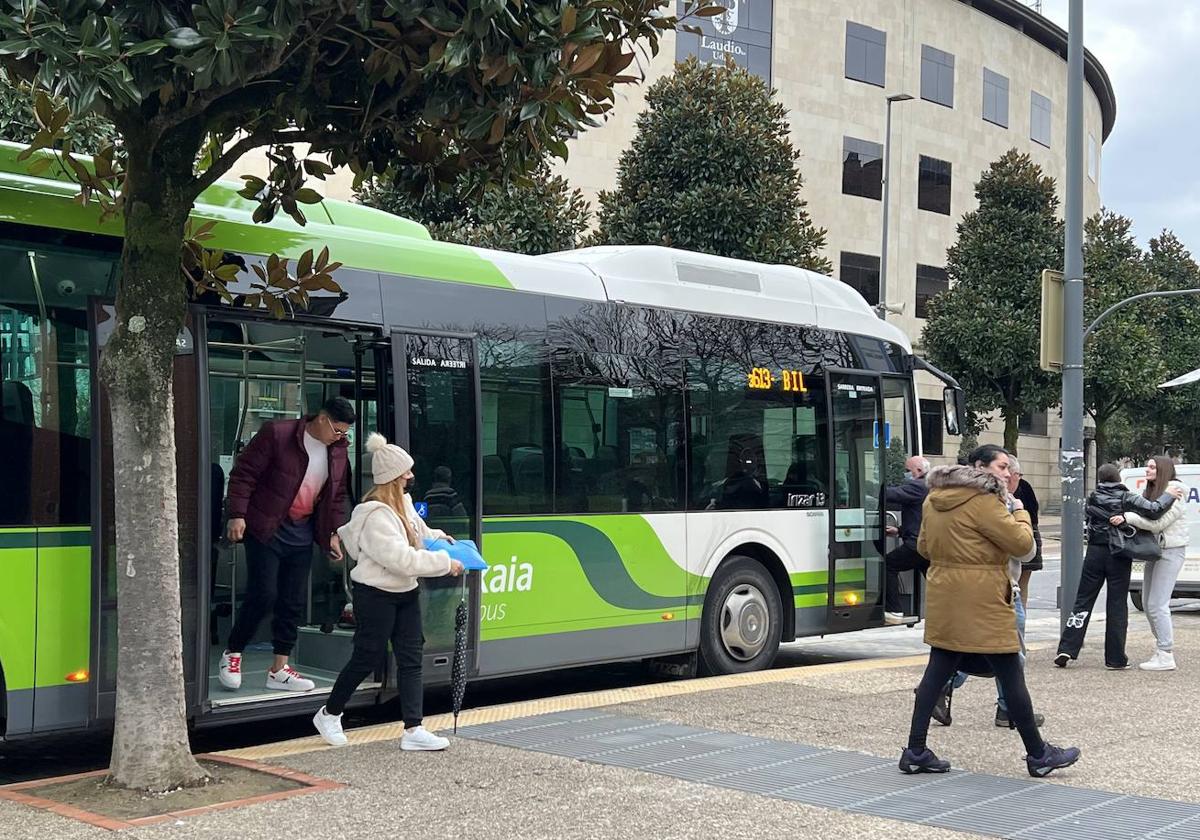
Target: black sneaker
[1062,659]
[941,709]
[1124,667]
[1052,758]
[925,762]
[1002,718]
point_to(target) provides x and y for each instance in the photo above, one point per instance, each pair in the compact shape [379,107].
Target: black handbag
[1138,546]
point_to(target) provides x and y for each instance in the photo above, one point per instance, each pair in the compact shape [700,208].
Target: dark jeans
[379,617]
[1006,666]
[1100,567]
[276,581]
[903,558]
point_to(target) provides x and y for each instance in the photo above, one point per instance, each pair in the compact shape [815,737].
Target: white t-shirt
[314,479]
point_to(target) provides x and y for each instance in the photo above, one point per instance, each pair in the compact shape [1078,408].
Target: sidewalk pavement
[1139,733]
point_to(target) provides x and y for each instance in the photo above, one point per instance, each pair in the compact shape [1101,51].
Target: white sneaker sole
[410,747]
[290,686]
[1146,666]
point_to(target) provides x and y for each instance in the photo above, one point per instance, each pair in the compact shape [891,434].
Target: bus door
[256,371]
[859,437]
[901,424]
[437,420]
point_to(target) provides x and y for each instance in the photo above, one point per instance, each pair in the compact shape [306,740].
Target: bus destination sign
[789,381]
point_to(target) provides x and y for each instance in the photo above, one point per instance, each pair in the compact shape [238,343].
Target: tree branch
[228,158]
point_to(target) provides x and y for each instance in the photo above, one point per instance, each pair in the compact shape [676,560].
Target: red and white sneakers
[230,672]
[288,678]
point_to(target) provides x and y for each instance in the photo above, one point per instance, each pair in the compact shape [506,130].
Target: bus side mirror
[955,409]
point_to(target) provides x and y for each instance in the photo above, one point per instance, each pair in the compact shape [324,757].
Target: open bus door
[437,420]
[255,370]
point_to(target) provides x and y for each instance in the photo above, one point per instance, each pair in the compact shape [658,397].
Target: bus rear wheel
[743,619]
[1135,595]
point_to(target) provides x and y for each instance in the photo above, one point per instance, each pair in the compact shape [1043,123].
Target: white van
[1188,585]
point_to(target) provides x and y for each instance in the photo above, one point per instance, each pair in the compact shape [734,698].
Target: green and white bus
[665,456]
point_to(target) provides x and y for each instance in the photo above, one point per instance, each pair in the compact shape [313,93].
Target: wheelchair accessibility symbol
[422,509]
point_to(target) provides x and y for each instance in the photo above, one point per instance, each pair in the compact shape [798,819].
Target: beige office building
[984,76]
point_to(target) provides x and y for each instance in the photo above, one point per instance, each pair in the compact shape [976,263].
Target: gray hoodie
[376,540]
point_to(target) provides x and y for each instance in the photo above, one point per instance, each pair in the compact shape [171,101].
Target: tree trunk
[1012,428]
[150,743]
[1101,441]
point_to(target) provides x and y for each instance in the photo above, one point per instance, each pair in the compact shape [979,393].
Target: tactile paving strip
[996,806]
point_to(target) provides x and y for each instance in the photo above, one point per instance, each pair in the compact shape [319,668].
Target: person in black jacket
[908,496]
[1110,498]
[1025,493]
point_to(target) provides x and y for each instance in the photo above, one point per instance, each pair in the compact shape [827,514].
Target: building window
[931,281]
[1039,119]
[931,427]
[862,168]
[937,76]
[1033,423]
[933,185]
[1093,159]
[866,51]
[995,98]
[861,273]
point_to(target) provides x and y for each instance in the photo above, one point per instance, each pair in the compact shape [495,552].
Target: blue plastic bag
[464,551]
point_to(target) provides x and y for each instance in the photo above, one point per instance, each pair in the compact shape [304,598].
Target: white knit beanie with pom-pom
[388,461]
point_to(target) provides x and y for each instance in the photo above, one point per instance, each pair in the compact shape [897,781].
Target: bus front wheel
[743,619]
[1135,595]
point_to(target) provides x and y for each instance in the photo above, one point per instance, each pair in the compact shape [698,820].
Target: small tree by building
[534,214]
[985,329]
[712,169]
[1123,360]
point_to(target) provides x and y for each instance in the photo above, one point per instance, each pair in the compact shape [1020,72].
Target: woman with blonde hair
[1158,581]
[385,537]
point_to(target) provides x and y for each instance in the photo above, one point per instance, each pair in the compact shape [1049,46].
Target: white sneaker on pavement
[330,728]
[422,739]
[1163,660]
[230,672]
[288,678]
[893,618]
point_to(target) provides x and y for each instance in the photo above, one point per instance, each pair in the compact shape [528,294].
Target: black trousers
[380,617]
[276,582]
[943,664]
[903,558]
[1100,567]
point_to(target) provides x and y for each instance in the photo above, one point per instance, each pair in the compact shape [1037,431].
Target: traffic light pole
[1071,454]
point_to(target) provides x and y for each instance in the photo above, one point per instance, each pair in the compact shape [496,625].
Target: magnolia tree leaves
[985,330]
[713,169]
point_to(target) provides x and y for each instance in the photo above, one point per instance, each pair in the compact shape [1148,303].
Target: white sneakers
[893,618]
[1162,660]
[421,738]
[330,728]
[230,672]
[288,678]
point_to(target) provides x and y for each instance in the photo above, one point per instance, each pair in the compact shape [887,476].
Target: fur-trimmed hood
[956,485]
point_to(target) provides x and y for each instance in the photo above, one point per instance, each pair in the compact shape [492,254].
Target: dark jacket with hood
[968,536]
[1112,497]
[267,475]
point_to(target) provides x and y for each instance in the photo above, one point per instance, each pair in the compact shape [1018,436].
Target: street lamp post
[1071,454]
[887,184]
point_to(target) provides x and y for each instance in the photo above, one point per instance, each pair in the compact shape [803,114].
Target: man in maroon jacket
[287,491]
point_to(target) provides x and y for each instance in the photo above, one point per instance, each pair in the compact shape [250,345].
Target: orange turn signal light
[851,598]
[668,616]
[78,676]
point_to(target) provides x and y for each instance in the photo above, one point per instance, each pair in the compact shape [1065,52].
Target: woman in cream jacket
[1158,580]
[385,537]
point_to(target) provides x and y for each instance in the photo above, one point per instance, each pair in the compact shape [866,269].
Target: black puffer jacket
[1112,497]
